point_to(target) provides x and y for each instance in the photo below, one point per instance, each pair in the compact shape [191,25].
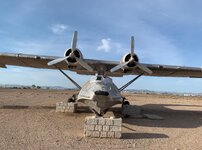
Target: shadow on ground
[81,109]
[172,118]
[143,135]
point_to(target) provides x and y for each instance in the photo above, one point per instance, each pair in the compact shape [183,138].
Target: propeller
[140,66]
[121,65]
[73,48]
[84,64]
[132,48]
[143,68]
[74,41]
[55,61]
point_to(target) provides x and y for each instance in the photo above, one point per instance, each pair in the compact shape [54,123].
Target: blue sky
[165,31]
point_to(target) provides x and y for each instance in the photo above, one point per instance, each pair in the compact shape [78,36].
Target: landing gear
[96,113]
[99,114]
[73,98]
[125,103]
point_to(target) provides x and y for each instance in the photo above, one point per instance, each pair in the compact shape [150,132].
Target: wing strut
[130,82]
[68,77]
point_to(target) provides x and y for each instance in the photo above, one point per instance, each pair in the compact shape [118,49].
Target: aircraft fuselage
[100,93]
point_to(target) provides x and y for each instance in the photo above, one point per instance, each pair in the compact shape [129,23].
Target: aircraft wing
[170,71]
[26,60]
[39,61]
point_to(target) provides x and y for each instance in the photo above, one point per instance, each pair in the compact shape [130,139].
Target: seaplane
[99,93]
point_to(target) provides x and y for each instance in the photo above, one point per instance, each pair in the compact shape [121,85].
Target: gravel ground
[28,121]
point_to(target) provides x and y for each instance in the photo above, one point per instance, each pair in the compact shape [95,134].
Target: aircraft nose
[104,93]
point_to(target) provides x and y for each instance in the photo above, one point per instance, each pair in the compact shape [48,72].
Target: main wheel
[125,115]
[71,99]
[126,103]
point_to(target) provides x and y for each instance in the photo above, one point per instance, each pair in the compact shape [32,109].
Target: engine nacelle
[127,58]
[71,56]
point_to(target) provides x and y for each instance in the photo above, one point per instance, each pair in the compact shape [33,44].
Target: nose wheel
[99,114]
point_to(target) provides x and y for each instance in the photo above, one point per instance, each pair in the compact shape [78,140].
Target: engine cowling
[72,55]
[127,58]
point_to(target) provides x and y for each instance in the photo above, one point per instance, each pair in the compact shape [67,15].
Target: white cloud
[58,28]
[151,45]
[107,46]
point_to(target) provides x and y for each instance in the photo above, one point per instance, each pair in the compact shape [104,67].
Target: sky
[165,31]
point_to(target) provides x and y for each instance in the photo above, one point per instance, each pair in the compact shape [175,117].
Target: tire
[70,100]
[126,103]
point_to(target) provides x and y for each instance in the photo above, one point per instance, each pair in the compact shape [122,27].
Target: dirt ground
[28,121]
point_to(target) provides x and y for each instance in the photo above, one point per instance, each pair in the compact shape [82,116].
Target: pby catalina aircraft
[99,93]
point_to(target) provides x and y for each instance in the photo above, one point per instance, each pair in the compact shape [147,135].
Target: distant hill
[161,92]
[16,86]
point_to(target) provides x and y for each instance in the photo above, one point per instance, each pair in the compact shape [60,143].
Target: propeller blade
[84,64]
[74,40]
[132,45]
[144,68]
[120,66]
[55,61]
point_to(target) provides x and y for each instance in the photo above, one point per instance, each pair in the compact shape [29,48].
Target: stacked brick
[100,127]
[66,107]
